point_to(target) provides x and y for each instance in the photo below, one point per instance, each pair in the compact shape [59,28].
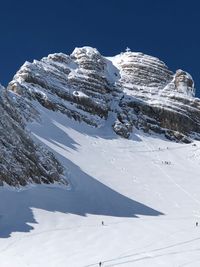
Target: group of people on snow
[166,162]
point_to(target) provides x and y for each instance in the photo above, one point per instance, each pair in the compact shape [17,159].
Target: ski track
[173,181]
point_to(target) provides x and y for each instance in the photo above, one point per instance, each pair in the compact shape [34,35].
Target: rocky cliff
[154,99]
[21,160]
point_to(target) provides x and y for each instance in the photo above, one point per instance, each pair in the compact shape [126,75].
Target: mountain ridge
[84,86]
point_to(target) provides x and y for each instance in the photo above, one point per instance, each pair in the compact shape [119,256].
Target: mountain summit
[132,91]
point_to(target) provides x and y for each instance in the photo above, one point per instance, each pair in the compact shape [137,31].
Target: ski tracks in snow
[148,254]
[172,180]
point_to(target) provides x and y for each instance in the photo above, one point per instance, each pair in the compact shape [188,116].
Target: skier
[197,223]
[102,222]
[100,263]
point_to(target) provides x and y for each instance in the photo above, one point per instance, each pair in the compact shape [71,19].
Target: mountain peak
[138,89]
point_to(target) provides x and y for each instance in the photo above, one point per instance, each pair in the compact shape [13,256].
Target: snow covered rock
[140,69]
[21,160]
[123,129]
[75,85]
[184,83]
[154,99]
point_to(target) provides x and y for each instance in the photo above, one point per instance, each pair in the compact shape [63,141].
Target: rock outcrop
[22,161]
[184,83]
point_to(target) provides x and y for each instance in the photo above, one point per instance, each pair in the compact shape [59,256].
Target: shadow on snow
[87,194]
[88,197]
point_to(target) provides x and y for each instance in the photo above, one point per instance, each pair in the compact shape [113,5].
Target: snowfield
[146,190]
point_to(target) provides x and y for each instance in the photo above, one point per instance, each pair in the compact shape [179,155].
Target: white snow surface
[146,190]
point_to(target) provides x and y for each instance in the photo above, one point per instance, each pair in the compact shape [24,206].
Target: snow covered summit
[137,90]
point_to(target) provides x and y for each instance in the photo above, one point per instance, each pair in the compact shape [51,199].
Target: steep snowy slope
[149,207]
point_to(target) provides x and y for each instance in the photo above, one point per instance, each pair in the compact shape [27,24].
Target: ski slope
[146,190]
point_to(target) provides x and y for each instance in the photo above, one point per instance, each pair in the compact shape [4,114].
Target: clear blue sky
[168,29]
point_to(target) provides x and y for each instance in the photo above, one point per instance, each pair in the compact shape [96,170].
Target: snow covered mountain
[138,90]
[116,137]
[131,90]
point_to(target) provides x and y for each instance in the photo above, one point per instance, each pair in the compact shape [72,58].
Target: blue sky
[168,29]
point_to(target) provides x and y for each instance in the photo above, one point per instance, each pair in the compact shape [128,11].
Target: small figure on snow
[197,223]
[122,97]
[102,223]
[100,263]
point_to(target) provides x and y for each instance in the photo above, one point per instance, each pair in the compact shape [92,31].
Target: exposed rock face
[75,85]
[138,89]
[154,99]
[21,160]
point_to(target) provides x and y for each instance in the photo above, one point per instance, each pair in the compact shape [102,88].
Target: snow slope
[149,207]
